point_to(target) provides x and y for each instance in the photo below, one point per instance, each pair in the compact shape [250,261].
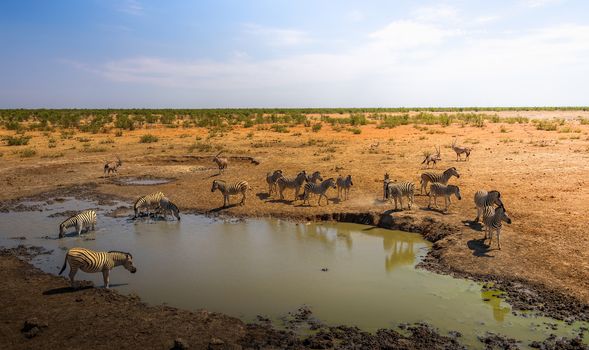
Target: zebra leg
[225,200]
[79,228]
[105,276]
[242,199]
[478,215]
[72,274]
[498,242]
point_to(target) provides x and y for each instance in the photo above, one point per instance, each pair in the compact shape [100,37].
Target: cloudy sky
[298,53]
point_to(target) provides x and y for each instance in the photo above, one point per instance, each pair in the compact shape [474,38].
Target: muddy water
[136,181]
[346,273]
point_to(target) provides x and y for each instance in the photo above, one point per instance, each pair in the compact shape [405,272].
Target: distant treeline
[100,120]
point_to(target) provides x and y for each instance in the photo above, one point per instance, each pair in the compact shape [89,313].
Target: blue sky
[274,53]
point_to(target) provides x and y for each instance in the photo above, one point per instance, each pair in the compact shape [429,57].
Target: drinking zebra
[437,189]
[92,261]
[292,182]
[343,186]
[316,176]
[166,206]
[484,199]
[150,201]
[84,220]
[398,190]
[492,218]
[231,190]
[112,167]
[319,189]
[437,177]
[271,179]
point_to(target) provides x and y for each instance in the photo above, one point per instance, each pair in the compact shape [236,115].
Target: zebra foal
[437,177]
[319,189]
[484,199]
[231,190]
[396,191]
[92,261]
[492,218]
[343,186]
[150,201]
[84,220]
[166,206]
[437,189]
[271,179]
[292,182]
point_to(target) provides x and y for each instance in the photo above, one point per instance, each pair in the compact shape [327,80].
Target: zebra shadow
[262,195]
[436,210]
[479,248]
[216,210]
[283,201]
[476,226]
[64,290]
[213,175]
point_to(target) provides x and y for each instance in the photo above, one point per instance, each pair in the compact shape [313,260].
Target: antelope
[112,166]
[432,157]
[221,162]
[460,150]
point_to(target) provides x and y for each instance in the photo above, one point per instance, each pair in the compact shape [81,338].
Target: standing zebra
[92,261]
[437,189]
[316,176]
[84,220]
[166,206]
[385,185]
[271,179]
[344,185]
[437,177]
[290,182]
[112,167]
[492,218]
[150,201]
[484,199]
[319,189]
[230,190]
[398,190]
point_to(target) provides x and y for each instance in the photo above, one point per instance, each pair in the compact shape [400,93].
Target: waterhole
[142,181]
[345,273]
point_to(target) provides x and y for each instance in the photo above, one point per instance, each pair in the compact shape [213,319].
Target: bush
[27,153]
[148,138]
[317,127]
[201,147]
[279,128]
[17,140]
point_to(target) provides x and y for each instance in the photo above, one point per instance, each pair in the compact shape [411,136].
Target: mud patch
[24,252]
[141,181]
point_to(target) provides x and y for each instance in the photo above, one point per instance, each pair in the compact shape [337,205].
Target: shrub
[52,143]
[317,127]
[279,128]
[148,138]
[27,153]
[107,141]
[17,140]
[355,131]
[201,147]
[119,133]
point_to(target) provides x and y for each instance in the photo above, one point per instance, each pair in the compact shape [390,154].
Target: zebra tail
[424,160]
[64,264]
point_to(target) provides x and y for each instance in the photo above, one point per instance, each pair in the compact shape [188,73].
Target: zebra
[84,220]
[112,167]
[230,190]
[166,206]
[437,177]
[344,185]
[290,182]
[316,176]
[484,199]
[432,157]
[319,189]
[492,218]
[398,190]
[92,261]
[385,184]
[271,179]
[150,201]
[460,150]
[221,162]
[437,189]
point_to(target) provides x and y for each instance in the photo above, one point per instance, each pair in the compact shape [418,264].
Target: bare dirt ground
[541,176]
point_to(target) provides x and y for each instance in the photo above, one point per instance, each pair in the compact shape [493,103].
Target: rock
[32,327]
[180,344]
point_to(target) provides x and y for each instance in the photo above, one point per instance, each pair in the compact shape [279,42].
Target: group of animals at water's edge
[489,204]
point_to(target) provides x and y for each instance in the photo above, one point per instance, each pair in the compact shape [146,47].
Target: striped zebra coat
[319,189]
[316,176]
[92,261]
[231,190]
[484,199]
[396,191]
[437,177]
[271,179]
[492,218]
[84,220]
[150,201]
[437,189]
[292,182]
[343,186]
[166,207]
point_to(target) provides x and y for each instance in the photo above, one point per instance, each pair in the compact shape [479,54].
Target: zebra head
[215,186]
[503,214]
[331,182]
[61,230]
[496,195]
[452,171]
[128,264]
[456,191]
[315,176]
[349,177]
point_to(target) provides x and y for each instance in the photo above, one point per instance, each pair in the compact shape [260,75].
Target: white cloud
[277,36]
[436,13]
[131,7]
[408,33]
[540,3]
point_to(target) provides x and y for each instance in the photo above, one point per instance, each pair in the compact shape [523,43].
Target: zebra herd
[488,203]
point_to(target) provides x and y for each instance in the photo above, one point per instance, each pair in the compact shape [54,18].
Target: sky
[298,53]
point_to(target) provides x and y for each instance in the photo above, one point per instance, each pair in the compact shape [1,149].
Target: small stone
[180,344]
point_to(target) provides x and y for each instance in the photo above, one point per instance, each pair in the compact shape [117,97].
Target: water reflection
[402,253]
[490,298]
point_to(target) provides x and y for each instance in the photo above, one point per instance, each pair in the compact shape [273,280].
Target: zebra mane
[118,251]
[498,193]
